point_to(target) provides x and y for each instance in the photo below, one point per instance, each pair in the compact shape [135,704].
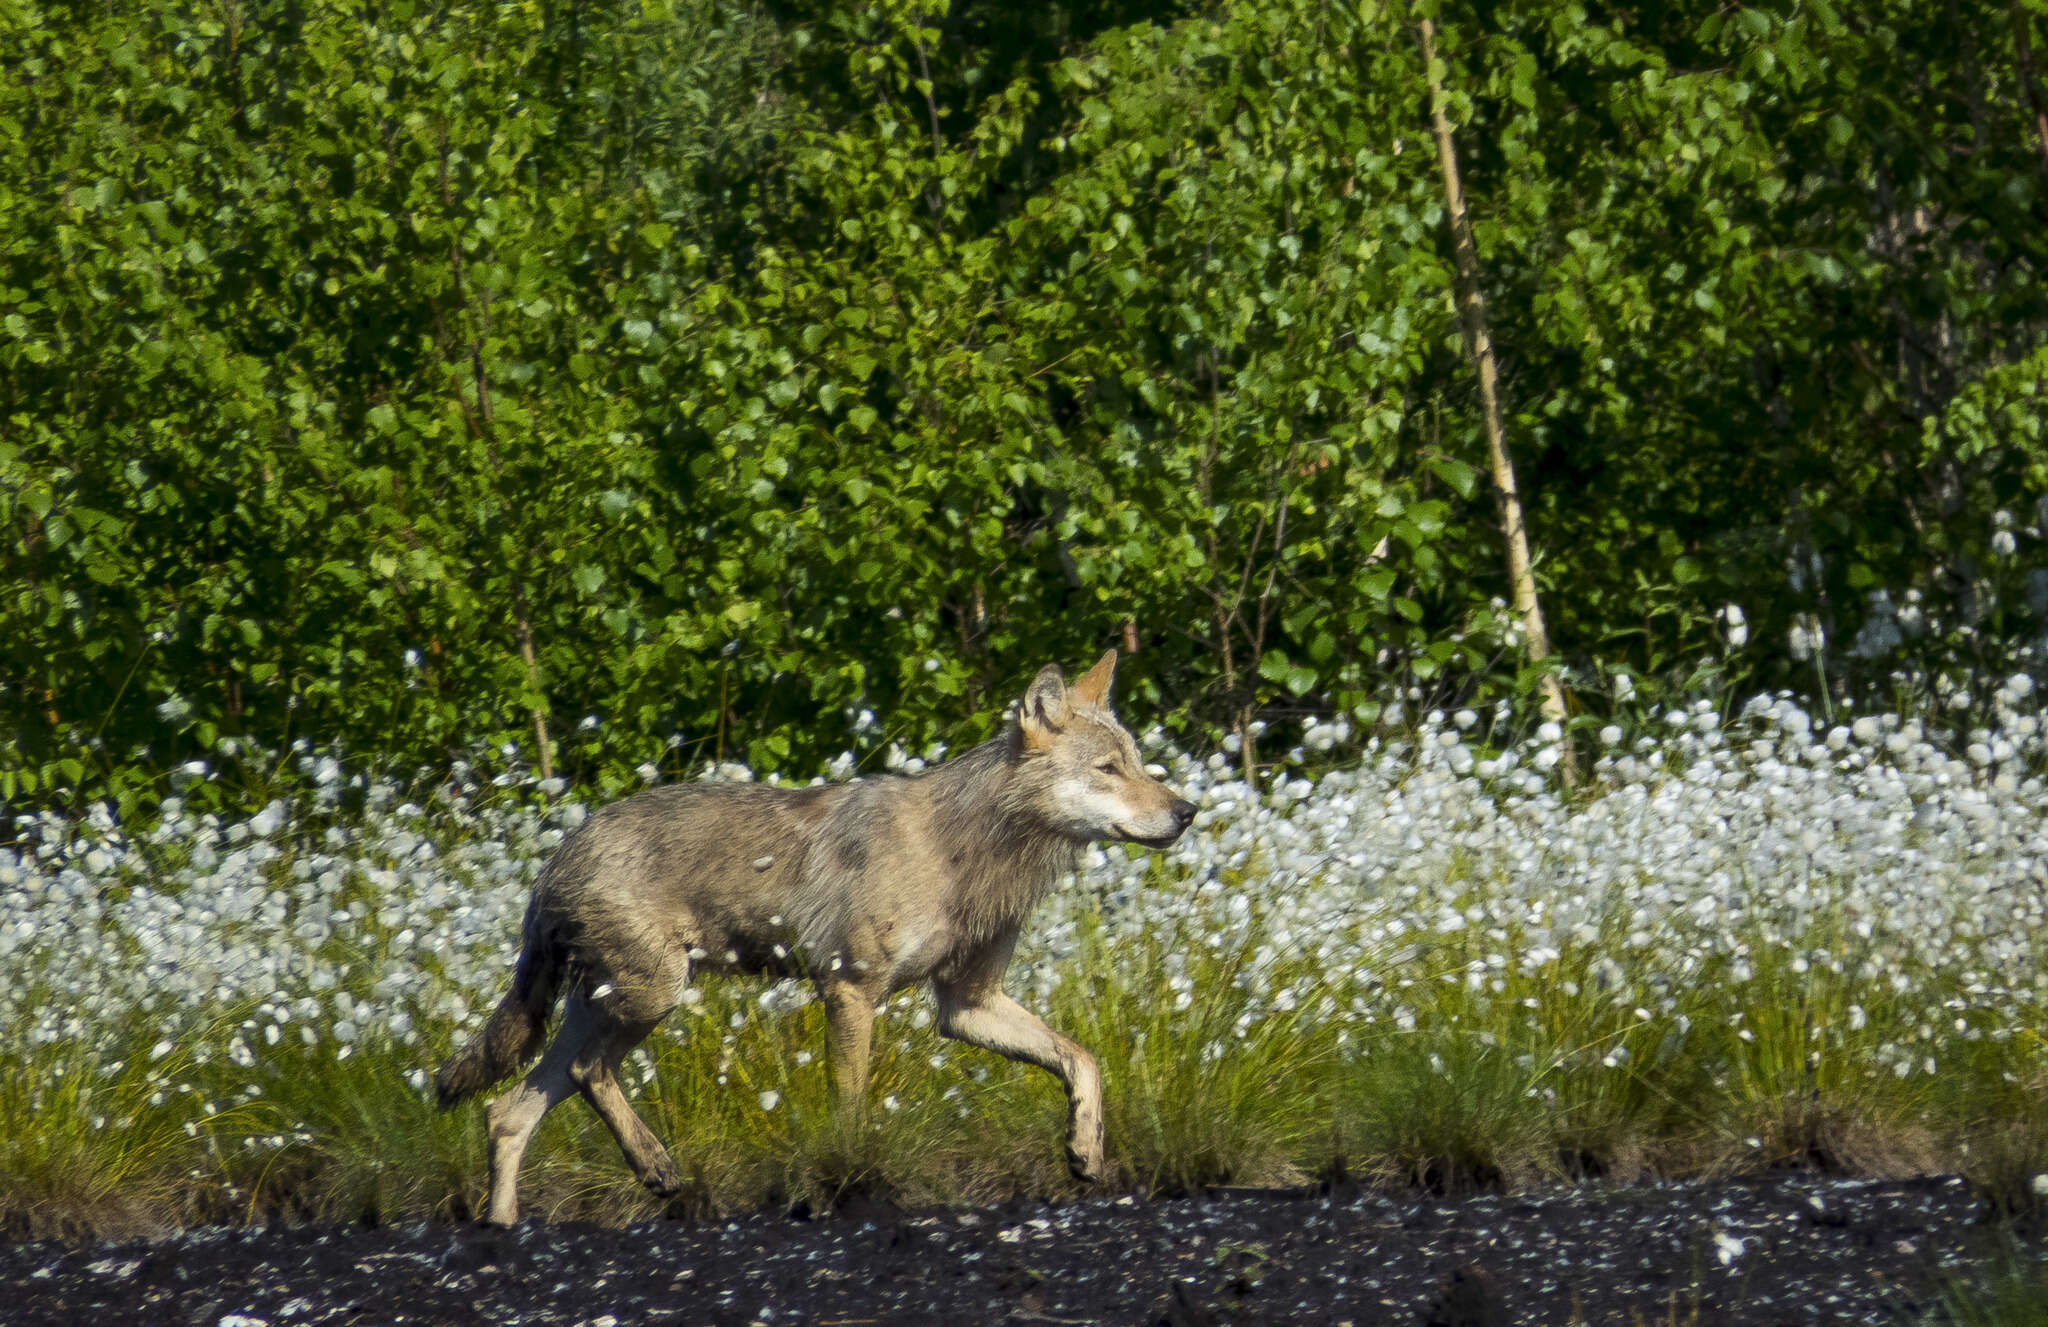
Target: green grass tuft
[1228,1057]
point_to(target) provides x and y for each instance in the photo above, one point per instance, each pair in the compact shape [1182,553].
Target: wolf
[865,888]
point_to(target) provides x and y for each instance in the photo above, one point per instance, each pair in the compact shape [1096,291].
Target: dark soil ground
[1774,1250]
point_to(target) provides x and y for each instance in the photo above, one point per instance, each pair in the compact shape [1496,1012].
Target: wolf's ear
[1093,688]
[1045,709]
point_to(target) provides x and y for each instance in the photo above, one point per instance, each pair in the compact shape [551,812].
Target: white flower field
[1745,940]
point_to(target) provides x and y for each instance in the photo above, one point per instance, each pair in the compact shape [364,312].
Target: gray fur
[864,887]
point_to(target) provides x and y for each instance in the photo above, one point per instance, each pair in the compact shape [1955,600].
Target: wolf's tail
[512,1036]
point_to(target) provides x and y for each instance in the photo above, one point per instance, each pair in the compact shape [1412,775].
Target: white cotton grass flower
[1883,629]
[770,1099]
[1735,625]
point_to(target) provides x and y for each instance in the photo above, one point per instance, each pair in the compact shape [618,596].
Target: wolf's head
[1093,779]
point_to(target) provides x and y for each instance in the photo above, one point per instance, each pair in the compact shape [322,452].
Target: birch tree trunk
[1472,311]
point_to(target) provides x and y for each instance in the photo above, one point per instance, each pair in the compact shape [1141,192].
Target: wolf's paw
[663,1180]
[1085,1168]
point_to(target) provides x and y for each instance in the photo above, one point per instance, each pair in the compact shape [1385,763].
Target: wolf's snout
[1183,813]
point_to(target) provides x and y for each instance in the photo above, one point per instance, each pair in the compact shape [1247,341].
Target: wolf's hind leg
[596,1075]
[981,1015]
[512,1116]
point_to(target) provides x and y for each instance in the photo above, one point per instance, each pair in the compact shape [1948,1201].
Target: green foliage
[397,375]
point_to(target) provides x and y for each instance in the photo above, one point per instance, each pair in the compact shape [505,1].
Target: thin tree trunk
[522,615]
[522,625]
[481,420]
[2030,82]
[1472,310]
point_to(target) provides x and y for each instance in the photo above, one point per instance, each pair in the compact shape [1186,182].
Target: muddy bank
[1774,1250]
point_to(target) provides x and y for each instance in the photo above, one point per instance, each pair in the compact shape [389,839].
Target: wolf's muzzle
[1183,813]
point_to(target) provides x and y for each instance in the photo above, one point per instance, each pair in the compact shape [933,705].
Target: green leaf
[1456,473]
[1521,83]
[1277,667]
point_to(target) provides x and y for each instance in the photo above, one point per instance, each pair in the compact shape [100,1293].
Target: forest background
[658,383]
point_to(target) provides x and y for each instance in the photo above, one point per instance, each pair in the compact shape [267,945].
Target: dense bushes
[422,376]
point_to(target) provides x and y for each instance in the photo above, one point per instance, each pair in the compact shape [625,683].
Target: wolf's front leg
[983,1016]
[849,1031]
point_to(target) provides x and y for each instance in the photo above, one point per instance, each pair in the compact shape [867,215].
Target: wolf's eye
[1109,767]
